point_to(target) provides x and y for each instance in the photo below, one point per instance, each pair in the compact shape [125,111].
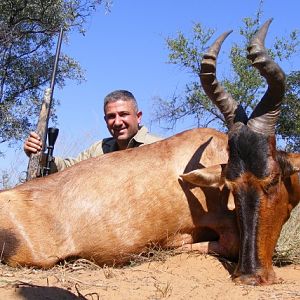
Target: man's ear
[139,116]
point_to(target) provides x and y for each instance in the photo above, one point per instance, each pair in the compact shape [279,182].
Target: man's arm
[95,150]
[33,144]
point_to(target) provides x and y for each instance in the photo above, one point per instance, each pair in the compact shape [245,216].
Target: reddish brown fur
[265,189]
[108,208]
[274,210]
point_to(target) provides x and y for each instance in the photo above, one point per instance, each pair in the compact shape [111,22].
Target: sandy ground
[181,276]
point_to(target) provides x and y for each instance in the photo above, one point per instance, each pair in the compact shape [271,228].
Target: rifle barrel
[58,47]
[33,169]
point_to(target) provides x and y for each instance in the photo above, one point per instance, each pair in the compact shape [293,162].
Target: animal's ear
[294,159]
[209,177]
[289,163]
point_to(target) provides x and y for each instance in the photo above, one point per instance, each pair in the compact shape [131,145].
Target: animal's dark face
[254,176]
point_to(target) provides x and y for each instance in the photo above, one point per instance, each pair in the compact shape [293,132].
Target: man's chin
[121,137]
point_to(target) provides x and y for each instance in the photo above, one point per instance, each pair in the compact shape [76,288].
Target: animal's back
[118,203]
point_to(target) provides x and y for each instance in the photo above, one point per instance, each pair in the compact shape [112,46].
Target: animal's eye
[268,187]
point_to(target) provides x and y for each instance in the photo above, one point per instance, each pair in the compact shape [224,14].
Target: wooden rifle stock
[34,168]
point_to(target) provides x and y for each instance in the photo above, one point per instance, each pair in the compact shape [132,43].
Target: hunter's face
[122,120]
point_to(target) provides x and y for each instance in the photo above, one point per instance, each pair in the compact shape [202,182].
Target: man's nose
[118,120]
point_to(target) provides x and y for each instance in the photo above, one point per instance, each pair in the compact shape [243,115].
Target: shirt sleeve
[95,150]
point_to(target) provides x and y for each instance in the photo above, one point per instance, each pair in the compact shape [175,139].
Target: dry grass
[180,276]
[152,253]
[288,245]
[65,276]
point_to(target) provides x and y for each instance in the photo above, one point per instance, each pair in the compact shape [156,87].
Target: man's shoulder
[105,145]
[151,138]
[145,137]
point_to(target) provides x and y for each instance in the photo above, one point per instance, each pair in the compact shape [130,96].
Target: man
[122,118]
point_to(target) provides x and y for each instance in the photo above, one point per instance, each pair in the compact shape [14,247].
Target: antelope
[263,181]
[200,189]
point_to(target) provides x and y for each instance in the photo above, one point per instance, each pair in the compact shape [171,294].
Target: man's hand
[33,144]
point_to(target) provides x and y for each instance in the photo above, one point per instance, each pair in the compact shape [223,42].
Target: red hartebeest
[171,193]
[262,180]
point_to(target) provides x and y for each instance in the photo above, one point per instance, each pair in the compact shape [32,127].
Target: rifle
[34,168]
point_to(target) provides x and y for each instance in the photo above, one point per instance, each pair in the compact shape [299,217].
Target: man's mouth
[120,131]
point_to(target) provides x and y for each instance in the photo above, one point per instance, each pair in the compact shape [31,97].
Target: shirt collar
[139,138]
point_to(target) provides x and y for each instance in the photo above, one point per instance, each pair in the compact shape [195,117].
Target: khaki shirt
[106,146]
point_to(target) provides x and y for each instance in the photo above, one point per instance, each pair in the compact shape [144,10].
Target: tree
[242,81]
[28,35]
[289,119]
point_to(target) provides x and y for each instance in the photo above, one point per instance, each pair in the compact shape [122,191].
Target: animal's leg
[212,247]
[202,247]
[226,246]
[178,240]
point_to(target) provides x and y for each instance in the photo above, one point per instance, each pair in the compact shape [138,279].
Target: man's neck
[122,145]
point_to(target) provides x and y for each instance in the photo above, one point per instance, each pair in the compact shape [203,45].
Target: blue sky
[126,49]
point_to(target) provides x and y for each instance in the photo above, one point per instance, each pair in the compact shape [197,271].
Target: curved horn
[226,104]
[265,115]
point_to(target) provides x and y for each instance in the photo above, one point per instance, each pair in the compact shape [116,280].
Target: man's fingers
[33,146]
[34,135]
[34,141]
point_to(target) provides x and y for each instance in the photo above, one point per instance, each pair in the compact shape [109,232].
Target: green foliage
[289,120]
[188,53]
[28,36]
[241,80]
